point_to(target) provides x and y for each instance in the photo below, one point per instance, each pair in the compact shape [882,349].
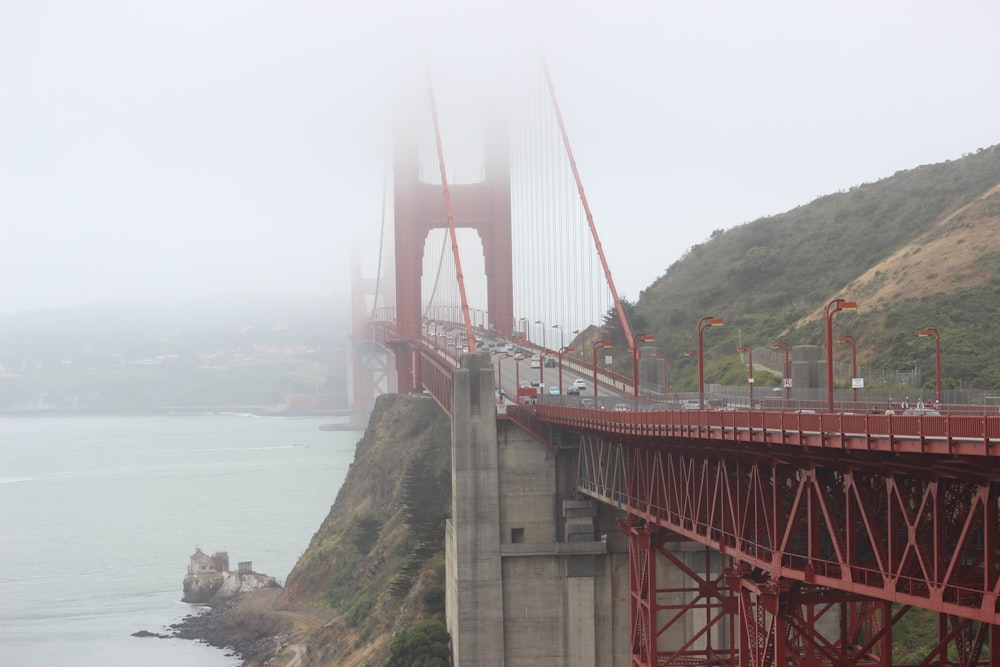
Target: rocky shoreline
[253,638]
[245,626]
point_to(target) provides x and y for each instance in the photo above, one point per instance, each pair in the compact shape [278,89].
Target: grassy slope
[376,564]
[919,249]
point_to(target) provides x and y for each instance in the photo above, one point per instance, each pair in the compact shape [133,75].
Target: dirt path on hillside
[265,603]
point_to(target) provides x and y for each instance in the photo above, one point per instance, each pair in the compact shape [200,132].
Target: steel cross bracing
[658,610]
[810,531]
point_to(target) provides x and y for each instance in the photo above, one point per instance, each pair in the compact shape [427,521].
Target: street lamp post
[561,351]
[636,340]
[854,364]
[500,358]
[556,326]
[703,324]
[749,351]
[597,344]
[782,345]
[937,357]
[832,307]
[541,357]
[663,361]
[517,374]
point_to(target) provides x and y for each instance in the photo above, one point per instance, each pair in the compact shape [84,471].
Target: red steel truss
[659,610]
[822,544]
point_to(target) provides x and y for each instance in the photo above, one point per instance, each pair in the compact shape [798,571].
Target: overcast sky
[153,147]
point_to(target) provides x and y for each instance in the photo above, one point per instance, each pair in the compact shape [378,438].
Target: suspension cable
[586,207]
[381,238]
[469,334]
[437,275]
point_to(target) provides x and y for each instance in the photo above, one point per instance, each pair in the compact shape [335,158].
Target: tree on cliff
[422,645]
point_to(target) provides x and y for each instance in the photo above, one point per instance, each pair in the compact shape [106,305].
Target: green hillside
[916,250]
[374,570]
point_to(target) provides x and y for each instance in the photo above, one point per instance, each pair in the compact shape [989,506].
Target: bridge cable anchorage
[381,238]
[626,327]
[469,334]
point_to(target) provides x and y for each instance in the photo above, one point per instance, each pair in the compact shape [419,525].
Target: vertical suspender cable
[586,207]
[437,275]
[381,237]
[451,217]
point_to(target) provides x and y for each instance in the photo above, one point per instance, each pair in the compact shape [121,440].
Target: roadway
[516,369]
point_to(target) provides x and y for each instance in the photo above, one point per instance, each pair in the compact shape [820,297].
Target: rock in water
[201,588]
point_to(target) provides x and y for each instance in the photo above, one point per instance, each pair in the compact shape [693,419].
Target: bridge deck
[897,434]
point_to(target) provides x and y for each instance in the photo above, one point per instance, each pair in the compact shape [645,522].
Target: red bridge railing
[900,434]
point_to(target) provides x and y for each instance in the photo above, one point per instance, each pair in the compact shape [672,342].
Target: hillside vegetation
[375,568]
[916,250]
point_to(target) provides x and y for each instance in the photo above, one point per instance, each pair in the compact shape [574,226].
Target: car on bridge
[580,384]
[573,391]
[553,391]
[535,363]
[550,362]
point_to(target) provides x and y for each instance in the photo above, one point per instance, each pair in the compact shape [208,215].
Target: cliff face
[376,564]
[374,571]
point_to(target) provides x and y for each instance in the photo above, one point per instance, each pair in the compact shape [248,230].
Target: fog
[154,148]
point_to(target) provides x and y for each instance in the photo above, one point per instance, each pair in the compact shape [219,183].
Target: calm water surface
[98,516]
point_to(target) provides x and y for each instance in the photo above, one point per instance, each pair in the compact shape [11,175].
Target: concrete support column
[475,591]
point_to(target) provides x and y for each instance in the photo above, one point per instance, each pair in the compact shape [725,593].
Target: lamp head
[780,344]
[845,339]
[847,305]
[927,332]
[743,348]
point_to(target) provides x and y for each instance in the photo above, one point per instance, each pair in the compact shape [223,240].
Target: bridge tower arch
[419,207]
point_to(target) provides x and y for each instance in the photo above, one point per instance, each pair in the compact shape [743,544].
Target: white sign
[788,383]
[750,380]
[857,383]
[607,360]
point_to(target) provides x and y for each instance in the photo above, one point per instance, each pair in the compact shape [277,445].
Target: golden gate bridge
[823,526]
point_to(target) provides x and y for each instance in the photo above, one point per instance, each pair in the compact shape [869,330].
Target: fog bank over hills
[299,313]
[245,350]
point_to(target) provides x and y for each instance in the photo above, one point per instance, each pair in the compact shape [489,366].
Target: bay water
[99,516]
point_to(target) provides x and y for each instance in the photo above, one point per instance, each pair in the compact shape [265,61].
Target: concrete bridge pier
[536,574]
